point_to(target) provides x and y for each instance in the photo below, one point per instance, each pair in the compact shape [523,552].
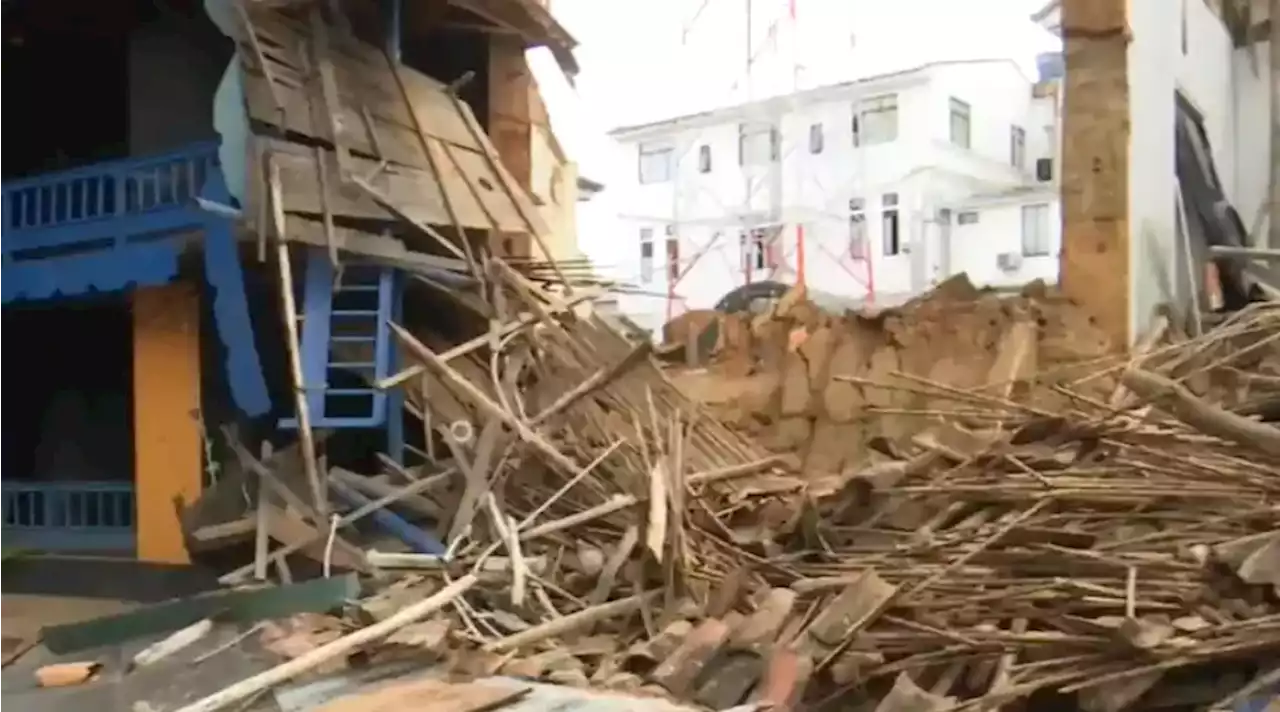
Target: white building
[876,189]
[1183,65]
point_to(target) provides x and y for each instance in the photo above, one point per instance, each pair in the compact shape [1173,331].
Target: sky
[647,60]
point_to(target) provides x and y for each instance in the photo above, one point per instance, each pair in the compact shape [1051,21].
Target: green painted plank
[232,606]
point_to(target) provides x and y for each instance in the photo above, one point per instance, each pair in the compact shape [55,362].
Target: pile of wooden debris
[1123,548]
[970,501]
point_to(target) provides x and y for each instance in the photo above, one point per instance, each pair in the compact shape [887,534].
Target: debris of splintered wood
[287,670]
[1034,539]
[957,503]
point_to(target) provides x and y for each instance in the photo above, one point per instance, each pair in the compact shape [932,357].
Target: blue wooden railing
[102,227]
[54,209]
[69,516]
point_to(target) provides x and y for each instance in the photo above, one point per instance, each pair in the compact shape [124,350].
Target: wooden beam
[1273,32]
[1095,267]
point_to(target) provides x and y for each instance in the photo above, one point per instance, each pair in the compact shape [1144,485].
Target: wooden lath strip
[329,90]
[395,70]
[516,194]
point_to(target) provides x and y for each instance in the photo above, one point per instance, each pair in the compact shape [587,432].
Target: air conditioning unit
[1009,261]
[1044,170]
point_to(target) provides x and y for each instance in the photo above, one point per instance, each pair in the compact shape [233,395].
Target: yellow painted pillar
[166,392]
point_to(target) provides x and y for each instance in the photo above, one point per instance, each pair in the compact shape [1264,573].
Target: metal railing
[81,516]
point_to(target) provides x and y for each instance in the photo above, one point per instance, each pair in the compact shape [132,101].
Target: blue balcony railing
[39,210]
[69,516]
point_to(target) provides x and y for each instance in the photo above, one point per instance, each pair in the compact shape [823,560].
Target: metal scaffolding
[772,243]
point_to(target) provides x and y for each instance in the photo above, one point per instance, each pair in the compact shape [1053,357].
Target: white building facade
[873,189]
[1182,52]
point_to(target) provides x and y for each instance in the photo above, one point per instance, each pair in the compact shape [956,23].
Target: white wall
[812,191]
[1252,132]
[1219,82]
[999,231]
[999,96]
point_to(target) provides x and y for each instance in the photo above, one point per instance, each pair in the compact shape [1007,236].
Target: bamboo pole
[283,672]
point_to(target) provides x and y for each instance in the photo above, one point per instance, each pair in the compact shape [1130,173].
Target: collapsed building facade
[278,176]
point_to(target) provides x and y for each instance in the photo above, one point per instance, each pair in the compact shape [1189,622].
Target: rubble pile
[824,386]
[1121,549]
[966,503]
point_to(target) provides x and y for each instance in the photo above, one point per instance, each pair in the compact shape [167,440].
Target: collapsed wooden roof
[346,140]
[530,20]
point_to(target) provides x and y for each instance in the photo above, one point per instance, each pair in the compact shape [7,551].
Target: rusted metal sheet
[400,132]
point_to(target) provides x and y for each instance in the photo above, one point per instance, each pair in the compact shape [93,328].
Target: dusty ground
[25,615]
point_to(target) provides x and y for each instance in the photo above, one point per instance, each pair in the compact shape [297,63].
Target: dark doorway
[70,397]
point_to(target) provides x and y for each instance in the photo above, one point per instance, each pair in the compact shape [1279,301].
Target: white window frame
[754,244]
[890,225]
[646,255]
[859,234]
[817,140]
[672,255]
[1037,240]
[961,123]
[758,144]
[1018,147]
[656,163]
[875,120]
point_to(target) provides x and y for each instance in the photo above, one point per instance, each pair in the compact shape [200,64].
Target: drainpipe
[392,10]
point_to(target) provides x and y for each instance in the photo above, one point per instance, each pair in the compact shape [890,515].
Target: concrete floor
[24,615]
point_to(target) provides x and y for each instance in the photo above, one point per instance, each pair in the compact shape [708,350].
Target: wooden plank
[242,606]
[417,193]
[412,488]
[360,83]
[397,140]
[290,317]
[328,87]
[380,248]
[250,687]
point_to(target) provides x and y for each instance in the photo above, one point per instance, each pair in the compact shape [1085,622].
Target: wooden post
[1273,210]
[305,439]
[166,391]
[1095,267]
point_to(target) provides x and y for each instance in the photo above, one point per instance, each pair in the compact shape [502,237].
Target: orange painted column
[166,392]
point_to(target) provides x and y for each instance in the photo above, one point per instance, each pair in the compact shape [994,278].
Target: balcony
[100,228]
[103,227]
